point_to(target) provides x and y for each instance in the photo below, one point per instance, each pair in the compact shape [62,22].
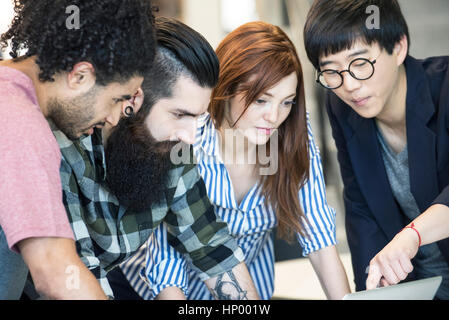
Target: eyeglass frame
[319,73]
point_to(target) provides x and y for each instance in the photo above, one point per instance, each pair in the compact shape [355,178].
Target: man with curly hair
[75,79]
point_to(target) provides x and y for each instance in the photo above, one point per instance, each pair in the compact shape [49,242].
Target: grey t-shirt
[429,261]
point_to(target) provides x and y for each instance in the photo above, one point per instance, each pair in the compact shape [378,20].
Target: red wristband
[412,226]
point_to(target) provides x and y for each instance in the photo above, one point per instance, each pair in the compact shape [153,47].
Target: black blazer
[373,216]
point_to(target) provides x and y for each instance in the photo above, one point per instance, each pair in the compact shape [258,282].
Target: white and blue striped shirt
[157,265]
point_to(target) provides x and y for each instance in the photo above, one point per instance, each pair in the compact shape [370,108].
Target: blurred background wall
[6,14]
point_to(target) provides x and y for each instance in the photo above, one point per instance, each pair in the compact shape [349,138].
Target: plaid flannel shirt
[107,233]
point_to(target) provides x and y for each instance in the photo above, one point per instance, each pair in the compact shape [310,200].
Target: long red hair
[264,50]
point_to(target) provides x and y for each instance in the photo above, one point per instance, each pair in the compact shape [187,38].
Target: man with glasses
[389,118]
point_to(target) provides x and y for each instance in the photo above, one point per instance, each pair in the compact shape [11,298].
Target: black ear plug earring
[129,111]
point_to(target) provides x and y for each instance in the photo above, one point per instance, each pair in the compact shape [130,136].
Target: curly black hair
[116,36]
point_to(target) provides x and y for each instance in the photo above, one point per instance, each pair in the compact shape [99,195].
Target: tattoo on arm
[228,288]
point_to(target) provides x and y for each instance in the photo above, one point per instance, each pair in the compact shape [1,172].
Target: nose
[272,114]
[114,117]
[349,82]
[187,134]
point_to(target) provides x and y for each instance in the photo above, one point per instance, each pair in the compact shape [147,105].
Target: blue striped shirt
[157,265]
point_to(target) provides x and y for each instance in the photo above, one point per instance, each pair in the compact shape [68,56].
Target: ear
[135,102]
[82,77]
[401,50]
[137,99]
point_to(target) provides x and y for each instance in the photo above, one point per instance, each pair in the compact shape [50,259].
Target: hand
[393,263]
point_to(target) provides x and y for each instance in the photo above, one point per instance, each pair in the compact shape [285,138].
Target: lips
[90,131]
[265,130]
[360,102]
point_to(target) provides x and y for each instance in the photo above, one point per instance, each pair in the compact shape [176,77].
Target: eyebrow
[125,97]
[270,95]
[187,113]
[356,53]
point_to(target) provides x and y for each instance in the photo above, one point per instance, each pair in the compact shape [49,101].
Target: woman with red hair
[261,167]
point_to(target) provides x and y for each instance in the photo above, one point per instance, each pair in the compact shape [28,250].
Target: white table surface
[296,279]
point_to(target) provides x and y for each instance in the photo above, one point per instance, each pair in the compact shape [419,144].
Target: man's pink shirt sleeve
[30,185]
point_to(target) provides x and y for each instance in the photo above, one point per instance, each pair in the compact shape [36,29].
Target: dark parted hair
[116,36]
[180,51]
[334,25]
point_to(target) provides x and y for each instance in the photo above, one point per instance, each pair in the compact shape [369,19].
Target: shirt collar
[207,136]
[208,141]
[78,151]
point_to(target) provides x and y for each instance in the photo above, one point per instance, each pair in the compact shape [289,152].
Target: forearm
[331,273]
[233,285]
[57,271]
[171,293]
[433,224]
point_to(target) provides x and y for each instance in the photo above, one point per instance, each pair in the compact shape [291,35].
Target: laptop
[424,289]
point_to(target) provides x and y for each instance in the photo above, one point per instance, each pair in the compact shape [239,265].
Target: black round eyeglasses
[360,69]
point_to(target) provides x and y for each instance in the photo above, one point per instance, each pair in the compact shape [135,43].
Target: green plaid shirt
[107,233]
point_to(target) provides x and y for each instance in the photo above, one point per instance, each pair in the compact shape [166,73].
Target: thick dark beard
[137,165]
